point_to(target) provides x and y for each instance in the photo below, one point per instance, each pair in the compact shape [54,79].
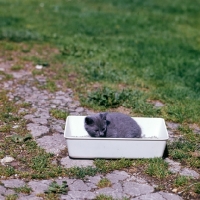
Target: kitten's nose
[101,134]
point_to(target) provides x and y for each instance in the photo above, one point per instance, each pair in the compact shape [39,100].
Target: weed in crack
[104,182]
[11,197]
[54,187]
[24,189]
[81,172]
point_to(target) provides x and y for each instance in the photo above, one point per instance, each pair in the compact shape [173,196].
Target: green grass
[107,197]
[59,114]
[197,188]
[49,196]
[7,171]
[50,85]
[187,148]
[145,45]
[11,197]
[57,189]
[181,180]
[104,182]
[16,67]
[105,166]
[103,197]
[105,98]
[24,189]
[82,172]
[158,168]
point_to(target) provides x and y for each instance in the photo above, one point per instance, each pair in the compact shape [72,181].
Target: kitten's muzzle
[102,134]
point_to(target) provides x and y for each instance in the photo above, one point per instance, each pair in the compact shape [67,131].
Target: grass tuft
[104,182]
[103,197]
[197,188]
[81,172]
[57,189]
[59,114]
[7,171]
[11,197]
[24,189]
[157,167]
[105,166]
[16,67]
[181,181]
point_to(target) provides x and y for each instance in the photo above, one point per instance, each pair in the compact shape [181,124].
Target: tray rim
[118,139]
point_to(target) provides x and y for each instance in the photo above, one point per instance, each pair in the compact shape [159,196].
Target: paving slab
[93,179]
[57,128]
[2,189]
[39,187]
[65,197]
[52,143]
[117,187]
[2,197]
[79,109]
[29,197]
[137,179]
[29,116]
[137,189]
[37,130]
[174,167]
[151,196]
[190,173]
[9,192]
[68,180]
[39,120]
[79,185]
[111,192]
[170,196]
[117,176]
[68,162]
[43,113]
[158,196]
[80,195]
[172,125]
[13,183]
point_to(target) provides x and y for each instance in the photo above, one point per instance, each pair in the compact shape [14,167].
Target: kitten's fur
[112,125]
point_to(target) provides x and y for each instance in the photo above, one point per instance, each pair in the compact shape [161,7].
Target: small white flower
[38,66]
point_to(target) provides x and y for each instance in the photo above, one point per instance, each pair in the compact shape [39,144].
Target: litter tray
[81,145]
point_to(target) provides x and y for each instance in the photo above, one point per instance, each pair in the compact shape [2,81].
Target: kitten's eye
[96,130]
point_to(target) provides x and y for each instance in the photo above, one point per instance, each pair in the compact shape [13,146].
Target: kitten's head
[96,125]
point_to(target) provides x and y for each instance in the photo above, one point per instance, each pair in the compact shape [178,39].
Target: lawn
[146,46]
[125,53]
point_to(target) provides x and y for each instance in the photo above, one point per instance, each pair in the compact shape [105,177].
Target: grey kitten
[112,125]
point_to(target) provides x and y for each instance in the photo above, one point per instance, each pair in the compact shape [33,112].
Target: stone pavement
[48,133]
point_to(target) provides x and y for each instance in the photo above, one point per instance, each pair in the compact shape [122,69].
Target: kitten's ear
[89,120]
[103,115]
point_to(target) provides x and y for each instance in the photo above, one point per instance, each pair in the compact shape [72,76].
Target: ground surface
[60,58]
[47,131]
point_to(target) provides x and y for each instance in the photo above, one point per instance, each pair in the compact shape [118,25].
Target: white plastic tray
[81,145]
